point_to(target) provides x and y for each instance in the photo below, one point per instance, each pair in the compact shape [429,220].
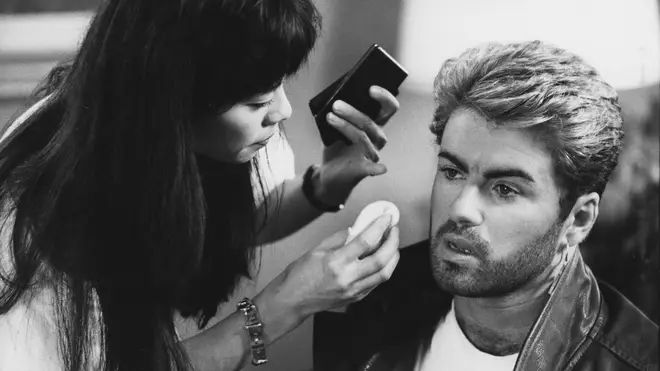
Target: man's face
[494,217]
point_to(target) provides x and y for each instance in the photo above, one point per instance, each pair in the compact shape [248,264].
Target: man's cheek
[438,218]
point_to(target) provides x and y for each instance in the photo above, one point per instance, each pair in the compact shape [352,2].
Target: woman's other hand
[344,166]
[332,275]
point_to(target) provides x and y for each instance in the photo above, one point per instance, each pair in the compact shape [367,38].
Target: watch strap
[308,191]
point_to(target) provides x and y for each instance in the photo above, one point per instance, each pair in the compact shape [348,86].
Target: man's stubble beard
[493,278]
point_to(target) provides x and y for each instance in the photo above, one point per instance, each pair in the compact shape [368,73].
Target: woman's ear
[582,218]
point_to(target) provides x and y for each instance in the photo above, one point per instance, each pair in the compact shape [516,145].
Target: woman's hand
[332,275]
[344,166]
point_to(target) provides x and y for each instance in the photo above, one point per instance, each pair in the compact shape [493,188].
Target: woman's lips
[265,141]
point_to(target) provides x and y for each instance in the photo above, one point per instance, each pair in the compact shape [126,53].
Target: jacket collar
[573,314]
[573,310]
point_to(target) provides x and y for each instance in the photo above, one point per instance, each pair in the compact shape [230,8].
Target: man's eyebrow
[454,159]
[491,173]
[508,173]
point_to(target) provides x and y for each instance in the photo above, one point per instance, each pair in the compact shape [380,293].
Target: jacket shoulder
[627,333]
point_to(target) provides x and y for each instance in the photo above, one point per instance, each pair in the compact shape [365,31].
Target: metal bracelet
[254,328]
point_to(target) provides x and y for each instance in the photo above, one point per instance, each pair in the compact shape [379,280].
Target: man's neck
[499,325]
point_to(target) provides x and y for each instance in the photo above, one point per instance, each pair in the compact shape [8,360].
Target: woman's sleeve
[28,340]
[28,335]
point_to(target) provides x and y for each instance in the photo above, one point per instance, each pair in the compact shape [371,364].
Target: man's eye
[505,191]
[450,173]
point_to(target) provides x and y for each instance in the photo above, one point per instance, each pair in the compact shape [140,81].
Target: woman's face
[238,133]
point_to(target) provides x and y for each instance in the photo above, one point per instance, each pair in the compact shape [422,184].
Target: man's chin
[455,280]
[463,290]
[468,287]
[452,278]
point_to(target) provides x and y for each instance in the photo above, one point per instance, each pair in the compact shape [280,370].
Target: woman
[127,195]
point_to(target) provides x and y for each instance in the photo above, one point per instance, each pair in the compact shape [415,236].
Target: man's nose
[465,210]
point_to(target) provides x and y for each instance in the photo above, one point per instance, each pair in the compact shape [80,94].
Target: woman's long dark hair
[107,195]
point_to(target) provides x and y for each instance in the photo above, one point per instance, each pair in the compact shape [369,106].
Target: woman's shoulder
[6,228]
[11,127]
[28,335]
[29,330]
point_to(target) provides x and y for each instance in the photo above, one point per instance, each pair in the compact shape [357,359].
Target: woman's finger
[365,243]
[363,294]
[361,121]
[335,241]
[375,262]
[389,105]
[363,167]
[355,135]
[373,168]
[369,283]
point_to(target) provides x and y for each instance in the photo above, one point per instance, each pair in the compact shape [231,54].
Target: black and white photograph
[347,185]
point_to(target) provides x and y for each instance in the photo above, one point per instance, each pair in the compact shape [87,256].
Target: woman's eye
[261,104]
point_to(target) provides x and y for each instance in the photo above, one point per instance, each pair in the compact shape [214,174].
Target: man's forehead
[482,146]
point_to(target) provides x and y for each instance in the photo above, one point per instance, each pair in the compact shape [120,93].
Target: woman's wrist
[318,193]
[278,318]
[254,328]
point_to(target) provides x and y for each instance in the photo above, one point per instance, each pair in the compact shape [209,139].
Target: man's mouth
[459,244]
[458,249]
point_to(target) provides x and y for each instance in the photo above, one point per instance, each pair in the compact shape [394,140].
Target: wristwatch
[308,191]
[254,328]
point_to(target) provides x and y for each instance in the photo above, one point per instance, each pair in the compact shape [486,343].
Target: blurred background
[621,38]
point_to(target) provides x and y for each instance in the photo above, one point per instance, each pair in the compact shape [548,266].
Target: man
[528,135]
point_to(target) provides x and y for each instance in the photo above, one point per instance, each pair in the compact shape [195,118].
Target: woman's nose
[281,107]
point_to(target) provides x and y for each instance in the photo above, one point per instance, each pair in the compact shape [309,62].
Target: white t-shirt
[452,351]
[28,332]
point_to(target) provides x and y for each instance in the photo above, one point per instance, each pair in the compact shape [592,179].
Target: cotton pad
[370,213]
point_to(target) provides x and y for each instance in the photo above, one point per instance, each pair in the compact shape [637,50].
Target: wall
[31,6]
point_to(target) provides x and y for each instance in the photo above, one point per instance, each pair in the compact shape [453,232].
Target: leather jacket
[585,325]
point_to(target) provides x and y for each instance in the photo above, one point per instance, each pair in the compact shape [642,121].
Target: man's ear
[582,218]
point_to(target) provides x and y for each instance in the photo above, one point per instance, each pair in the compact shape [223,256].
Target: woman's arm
[329,276]
[288,211]
[225,346]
